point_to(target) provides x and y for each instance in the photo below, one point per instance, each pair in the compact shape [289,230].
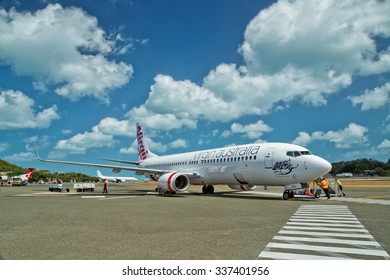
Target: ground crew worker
[324,184]
[105,186]
[337,183]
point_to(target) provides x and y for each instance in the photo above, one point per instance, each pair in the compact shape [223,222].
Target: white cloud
[373,99]
[179,143]
[317,35]
[352,135]
[251,131]
[293,51]
[385,144]
[61,47]
[23,156]
[20,112]
[79,143]
[115,127]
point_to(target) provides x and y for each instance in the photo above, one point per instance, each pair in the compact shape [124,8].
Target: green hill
[15,170]
[44,175]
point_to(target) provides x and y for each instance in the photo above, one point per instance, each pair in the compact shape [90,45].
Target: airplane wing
[116,168]
[121,161]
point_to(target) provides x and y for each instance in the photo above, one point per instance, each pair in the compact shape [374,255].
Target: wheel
[67,190]
[204,189]
[285,195]
[210,189]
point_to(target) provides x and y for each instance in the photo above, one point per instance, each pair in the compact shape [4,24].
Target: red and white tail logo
[29,173]
[142,151]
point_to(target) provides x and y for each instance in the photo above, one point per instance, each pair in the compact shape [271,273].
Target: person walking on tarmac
[105,186]
[339,185]
[324,184]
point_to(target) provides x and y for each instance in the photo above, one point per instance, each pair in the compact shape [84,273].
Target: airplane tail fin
[143,152]
[29,173]
[99,174]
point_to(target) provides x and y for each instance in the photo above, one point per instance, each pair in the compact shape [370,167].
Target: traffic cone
[308,192]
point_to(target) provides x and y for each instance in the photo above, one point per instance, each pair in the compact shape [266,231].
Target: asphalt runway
[132,222]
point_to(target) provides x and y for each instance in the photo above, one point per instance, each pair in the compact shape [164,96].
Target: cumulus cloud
[61,47]
[21,112]
[23,156]
[348,137]
[115,127]
[79,143]
[317,35]
[293,51]
[251,131]
[373,99]
[385,144]
[179,143]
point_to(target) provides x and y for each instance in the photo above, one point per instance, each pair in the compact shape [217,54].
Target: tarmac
[132,222]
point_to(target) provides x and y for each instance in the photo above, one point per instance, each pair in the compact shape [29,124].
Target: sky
[76,76]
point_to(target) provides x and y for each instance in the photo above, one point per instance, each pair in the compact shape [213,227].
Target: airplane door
[268,158]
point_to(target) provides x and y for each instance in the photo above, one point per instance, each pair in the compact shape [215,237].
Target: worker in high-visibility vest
[337,183]
[324,184]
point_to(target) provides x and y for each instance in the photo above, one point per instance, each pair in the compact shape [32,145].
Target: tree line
[44,175]
[362,167]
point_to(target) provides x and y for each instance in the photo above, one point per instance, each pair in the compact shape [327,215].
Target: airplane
[241,167]
[115,179]
[3,176]
[22,180]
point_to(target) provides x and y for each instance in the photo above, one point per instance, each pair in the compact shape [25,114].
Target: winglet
[36,152]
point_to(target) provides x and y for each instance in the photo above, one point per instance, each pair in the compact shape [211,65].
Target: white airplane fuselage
[253,164]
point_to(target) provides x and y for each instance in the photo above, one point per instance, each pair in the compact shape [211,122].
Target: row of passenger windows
[297,153]
[206,161]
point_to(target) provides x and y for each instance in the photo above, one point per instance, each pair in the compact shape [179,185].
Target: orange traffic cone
[308,192]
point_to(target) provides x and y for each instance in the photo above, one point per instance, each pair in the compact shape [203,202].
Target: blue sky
[75,77]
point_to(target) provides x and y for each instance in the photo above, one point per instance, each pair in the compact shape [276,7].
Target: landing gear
[209,189]
[162,192]
[288,194]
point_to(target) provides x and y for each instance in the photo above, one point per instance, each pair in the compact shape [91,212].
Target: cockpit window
[297,153]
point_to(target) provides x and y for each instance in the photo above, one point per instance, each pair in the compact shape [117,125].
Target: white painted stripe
[323,206]
[327,240]
[327,215]
[326,220]
[364,200]
[118,197]
[368,252]
[325,229]
[290,256]
[333,234]
[324,224]
[93,196]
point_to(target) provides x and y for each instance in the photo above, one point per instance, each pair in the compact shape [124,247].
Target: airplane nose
[321,166]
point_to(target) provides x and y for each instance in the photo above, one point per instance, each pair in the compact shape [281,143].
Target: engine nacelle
[173,182]
[242,187]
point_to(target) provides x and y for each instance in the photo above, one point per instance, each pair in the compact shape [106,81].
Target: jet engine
[173,182]
[242,187]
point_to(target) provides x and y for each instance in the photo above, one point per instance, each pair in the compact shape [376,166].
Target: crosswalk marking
[323,232]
